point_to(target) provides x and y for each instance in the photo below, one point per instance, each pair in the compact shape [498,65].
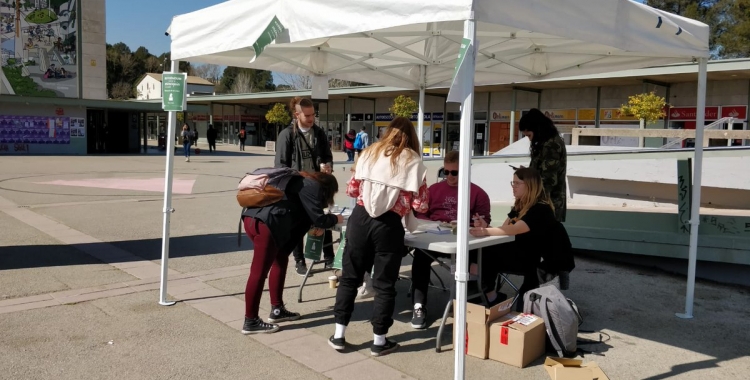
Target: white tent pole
[464,179]
[168,210]
[512,134]
[696,201]
[420,117]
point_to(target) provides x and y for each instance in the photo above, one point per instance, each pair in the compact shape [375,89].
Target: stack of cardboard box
[499,334]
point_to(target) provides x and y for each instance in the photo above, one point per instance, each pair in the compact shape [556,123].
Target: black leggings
[511,258]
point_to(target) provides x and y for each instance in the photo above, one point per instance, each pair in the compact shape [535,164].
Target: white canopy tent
[414,44]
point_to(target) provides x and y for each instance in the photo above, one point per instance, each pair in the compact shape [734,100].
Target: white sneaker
[187,160]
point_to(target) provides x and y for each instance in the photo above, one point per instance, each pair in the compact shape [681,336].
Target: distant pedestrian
[211,137]
[362,141]
[187,137]
[242,136]
[349,145]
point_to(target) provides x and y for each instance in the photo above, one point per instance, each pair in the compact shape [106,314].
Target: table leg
[439,340]
[448,308]
[482,294]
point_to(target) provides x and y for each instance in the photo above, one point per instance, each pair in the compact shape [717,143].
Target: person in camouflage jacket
[548,156]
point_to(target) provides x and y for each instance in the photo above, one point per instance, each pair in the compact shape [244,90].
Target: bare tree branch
[243,84]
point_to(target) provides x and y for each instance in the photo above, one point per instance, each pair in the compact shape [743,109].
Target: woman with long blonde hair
[532,221]
[389,182]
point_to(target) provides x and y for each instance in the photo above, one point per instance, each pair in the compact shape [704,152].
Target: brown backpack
[264,186]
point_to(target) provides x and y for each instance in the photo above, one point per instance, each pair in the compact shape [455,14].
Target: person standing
[195,136]
[241,135]
[349,145]
[389,182]
[211,137]
[362,141]
[274,229]
[304,146]
[548,157]
[186,136]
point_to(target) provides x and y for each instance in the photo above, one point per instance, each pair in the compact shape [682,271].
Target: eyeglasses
[514,183]
[452,172]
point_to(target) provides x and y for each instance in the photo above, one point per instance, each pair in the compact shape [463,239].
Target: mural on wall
[38,48]
[34,130]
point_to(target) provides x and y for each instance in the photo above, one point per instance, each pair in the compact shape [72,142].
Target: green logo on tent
[273,29]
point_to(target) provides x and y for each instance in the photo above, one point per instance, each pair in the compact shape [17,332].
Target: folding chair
[432,269]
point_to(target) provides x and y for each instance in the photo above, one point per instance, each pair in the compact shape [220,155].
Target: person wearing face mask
[304,146]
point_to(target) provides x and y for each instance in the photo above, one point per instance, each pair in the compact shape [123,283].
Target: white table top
[446,243]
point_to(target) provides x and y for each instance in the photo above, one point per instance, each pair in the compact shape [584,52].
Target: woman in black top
[275,230]
[531,221]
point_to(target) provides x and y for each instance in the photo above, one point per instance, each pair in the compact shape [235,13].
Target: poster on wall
[38,48]
[77,128]
[34,130]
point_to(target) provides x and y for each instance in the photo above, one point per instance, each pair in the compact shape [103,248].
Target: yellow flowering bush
[648,106]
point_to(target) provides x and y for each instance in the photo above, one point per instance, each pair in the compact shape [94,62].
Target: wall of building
[94,49]
[10,113]
[149,88]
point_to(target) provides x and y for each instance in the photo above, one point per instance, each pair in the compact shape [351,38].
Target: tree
[261,80]
[403,106]
[152,64]
[243,84]
[647,108]
[122,90]
[278,115]
[735,42]
[304,82]
[209,72]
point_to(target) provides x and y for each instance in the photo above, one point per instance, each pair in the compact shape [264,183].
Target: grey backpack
[560,315]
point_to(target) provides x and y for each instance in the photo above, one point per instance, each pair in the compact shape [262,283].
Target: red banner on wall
[737,112]
[688,113]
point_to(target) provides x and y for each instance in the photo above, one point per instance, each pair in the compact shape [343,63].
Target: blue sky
[143,22]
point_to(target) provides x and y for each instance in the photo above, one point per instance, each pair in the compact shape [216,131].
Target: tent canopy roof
[518,40]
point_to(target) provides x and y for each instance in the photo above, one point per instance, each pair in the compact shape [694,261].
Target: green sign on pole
[272,31]
[173,92]
[461,55]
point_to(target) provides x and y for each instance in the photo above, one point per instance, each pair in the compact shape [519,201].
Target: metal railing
[724,120]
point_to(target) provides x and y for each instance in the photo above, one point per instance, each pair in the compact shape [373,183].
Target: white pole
[696,201]
[641,138]
[512,134]
[464,179]
[420,117]
[168,210]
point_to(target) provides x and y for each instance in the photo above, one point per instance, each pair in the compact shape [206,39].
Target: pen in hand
[342,211]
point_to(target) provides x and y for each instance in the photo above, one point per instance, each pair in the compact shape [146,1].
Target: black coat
[289,149]
[289,219]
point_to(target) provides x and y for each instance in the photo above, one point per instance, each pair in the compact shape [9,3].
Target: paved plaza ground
[80,246]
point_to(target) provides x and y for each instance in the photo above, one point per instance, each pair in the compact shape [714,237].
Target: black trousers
[299,250]
[377,242]
[514,259]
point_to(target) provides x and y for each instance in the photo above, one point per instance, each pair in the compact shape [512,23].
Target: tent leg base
[167,303]
[684,315]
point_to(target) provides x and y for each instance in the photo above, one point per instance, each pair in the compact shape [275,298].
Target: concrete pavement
[79,285]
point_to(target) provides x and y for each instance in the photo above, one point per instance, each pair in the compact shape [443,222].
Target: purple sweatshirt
[444,203]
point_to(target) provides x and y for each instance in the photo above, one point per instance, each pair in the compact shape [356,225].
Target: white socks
[379,340]
[340,331]
[417,306]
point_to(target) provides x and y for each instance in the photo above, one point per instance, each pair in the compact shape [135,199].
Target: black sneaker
[338,344]
[257,326]
[418,319]
[301,268]
[385,349]
[329,263]
[281,314]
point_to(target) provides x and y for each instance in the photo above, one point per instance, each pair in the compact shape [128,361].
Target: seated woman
[532,221]
[275,230]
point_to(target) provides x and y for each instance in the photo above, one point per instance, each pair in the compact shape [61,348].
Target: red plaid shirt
[405,203]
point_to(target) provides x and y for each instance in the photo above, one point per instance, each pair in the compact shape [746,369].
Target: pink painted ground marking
[179,186]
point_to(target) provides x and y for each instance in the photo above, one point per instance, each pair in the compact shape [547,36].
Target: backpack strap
[239,229]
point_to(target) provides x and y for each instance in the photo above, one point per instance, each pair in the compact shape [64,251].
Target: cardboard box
[517,339]
[573,369]
[478,319]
